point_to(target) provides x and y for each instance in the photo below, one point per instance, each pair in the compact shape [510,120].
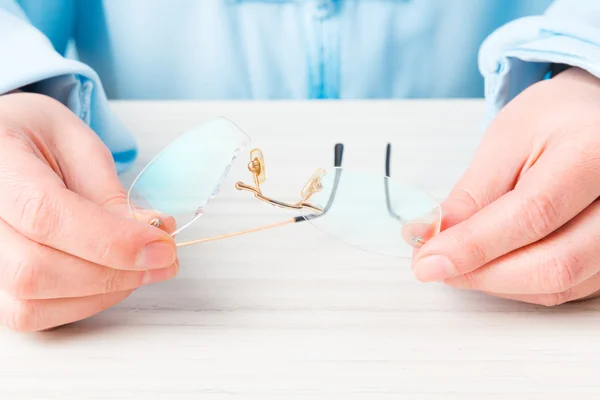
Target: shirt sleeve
[30,60]
[524,51]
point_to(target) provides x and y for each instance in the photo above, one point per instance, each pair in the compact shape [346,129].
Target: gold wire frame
[314,185]
[257,167]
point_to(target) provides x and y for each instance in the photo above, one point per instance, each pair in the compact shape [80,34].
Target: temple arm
[388,157]
[338,155]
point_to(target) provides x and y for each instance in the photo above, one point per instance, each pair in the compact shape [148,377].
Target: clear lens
[183,178]
[374,213]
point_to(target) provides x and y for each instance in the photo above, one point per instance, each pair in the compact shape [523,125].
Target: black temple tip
[388,158]
[339,153]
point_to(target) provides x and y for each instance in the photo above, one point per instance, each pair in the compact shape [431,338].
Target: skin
[68,246]
[523,222]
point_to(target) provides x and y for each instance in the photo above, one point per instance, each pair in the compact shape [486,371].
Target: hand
[523,222]
[68,248]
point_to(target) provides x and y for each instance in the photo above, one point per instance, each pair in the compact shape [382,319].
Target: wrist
[13,91]
[576,74]
[557,69]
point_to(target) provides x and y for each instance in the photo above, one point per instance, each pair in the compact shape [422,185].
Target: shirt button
[323,8]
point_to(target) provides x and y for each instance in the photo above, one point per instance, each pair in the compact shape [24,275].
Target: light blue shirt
[285,49]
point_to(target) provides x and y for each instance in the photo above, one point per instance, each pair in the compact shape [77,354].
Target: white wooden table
[292,313]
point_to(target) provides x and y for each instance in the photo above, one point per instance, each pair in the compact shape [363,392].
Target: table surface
[293,313]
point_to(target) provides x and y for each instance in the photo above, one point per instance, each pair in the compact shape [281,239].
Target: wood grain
[294,314]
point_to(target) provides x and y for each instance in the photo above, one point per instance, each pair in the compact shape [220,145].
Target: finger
[552,192]
[493,171]
[562,260]
[81,159]
[151,217]
[86,164]
[418,231]
[88,169]
[29,270]
[590,296]
[36,204]
[579,292]
[38,315]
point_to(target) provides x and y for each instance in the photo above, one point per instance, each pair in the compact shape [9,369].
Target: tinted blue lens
[182,178]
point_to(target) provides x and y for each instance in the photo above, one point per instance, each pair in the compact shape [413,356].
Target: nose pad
[314,184]
[257,165]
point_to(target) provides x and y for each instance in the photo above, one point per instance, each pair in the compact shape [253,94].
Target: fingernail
[434,268]
[156,255]
[159,275]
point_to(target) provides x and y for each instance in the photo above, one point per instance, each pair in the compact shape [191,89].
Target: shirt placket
[323,55]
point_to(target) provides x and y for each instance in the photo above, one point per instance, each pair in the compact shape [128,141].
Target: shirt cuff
[522,53]
[29,60]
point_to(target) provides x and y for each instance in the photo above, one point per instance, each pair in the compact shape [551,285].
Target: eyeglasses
[370,212]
